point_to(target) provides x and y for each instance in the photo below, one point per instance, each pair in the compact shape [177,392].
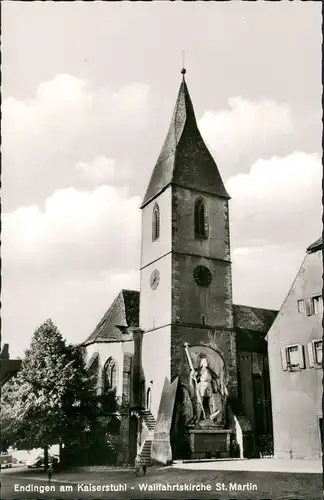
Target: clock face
[155,279]
[202,276]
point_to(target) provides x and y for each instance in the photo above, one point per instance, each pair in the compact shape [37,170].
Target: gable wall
[296,396]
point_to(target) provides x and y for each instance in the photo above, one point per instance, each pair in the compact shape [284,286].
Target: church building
[189,366]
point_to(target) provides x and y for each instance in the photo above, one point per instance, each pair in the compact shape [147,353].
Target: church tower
[186,283]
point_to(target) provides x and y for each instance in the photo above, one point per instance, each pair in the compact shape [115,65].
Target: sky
[88,92]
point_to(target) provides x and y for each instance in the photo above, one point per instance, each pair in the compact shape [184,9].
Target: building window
[311,305]
[318,352]
[315,353]
[293,358]
[156,223]
[317,304]
[300,306]
[110,374]
[203,320]
[93,369]
[201,220]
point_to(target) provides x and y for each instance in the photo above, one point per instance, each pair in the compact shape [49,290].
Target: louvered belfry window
[201,220]
[156,223]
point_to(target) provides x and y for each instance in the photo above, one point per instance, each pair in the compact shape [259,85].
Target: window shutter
[309,307]
[301,356]
[284,359]
[310,354]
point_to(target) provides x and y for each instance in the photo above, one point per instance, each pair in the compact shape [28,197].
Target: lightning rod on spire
[183,71]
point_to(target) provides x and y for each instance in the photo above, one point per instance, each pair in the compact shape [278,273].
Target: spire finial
[183,71]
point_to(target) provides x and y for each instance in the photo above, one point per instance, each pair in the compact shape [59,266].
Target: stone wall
[217,246]
[156,363]
[123,455]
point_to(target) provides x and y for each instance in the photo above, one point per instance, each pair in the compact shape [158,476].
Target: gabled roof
[317,245]
[185,159]
[123,312]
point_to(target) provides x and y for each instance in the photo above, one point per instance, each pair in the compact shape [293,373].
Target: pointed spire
[185,159]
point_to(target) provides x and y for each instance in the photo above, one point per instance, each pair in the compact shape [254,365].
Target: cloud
[68,121]
[247,130]
[74,301]
[275,215]
[262,276]
[278,201]
[69,260]
[99,171]
[77,231]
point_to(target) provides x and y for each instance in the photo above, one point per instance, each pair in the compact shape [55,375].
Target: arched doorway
[149,399]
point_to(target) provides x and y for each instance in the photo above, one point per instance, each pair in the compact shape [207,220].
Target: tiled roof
[185,159]
[252,325]
[317,245]
[94,358]
[124,311]
[253,318]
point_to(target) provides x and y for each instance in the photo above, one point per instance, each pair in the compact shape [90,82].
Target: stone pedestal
[209,443]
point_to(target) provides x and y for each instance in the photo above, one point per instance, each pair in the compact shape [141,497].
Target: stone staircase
[145,452]
[149,419]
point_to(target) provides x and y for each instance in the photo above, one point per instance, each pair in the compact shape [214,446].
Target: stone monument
[206,415]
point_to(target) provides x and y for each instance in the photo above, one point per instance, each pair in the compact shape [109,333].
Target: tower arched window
[201,220]
[156,222]
[110,375]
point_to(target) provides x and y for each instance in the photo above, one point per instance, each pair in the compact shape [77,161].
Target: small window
[318,304]
[309,306]
[203,320]
[314,349]
[318,352]
[293,356]
[201,220]
[156,223]
[300,306]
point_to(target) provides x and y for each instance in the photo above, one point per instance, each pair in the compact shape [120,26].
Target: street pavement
[181,484]
[257,464]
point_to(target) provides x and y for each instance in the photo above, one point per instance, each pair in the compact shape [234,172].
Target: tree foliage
[51,399]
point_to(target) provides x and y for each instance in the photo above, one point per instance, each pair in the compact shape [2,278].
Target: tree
[51,398]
